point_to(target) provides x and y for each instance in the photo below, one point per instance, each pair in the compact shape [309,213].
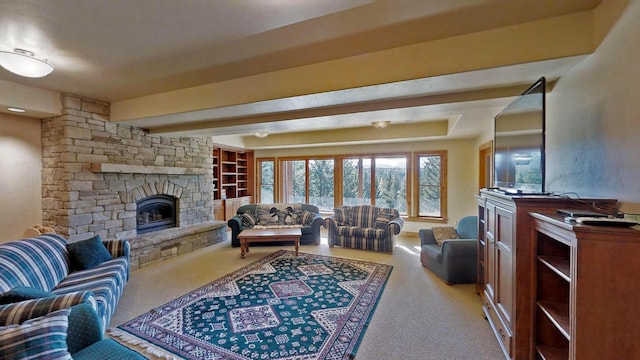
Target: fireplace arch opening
[155,213]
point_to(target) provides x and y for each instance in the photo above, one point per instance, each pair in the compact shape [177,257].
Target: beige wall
[462,169]
[20,179]
[593,123]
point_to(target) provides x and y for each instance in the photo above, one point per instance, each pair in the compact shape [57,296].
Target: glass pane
[430,175]
[293,181]
[356,181]
[267,179]
[321,176]
[391,183]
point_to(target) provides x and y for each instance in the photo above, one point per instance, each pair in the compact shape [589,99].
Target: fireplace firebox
[156,212]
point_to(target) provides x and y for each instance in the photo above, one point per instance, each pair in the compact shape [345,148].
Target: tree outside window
[308,181]
[380,180]
[266,176]
[294,179]
[356,181]
[431,171]
[321,183]
[391,183]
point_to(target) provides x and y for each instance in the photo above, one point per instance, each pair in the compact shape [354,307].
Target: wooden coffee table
[263,235]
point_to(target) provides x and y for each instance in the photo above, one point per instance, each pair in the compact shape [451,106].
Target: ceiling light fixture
[15,109]
[24,63]
[261,134]
[381,124]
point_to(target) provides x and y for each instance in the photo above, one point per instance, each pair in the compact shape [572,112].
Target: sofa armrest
[317,222]
[235,223]
[426,237]
[17,313]
[395,225]
[330,224]
[118,247]
[459,248]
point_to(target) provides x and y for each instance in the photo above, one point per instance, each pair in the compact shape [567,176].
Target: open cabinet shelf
[585,276]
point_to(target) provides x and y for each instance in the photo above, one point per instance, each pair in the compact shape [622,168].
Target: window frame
[258,172]
[416,187]
[412,179]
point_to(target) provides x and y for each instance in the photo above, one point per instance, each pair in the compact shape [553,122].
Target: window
[293,181]
[356,181]
[431,184]
[266,178]
[321,183]
[373,179]
[308,181]
[391,183]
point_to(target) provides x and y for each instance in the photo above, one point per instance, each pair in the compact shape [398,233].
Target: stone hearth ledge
[164,244]
[146,169]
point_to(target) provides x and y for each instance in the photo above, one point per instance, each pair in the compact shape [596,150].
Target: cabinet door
[504,290]
[218,209]
[490,252]
[230,208]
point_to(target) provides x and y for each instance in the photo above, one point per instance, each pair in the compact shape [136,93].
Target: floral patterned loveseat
[306,217]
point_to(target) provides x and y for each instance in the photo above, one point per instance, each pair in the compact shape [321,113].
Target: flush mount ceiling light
[24,63]
[381,124]
[261,134]
[15,109]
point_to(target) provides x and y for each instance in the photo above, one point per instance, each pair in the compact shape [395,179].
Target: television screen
[519,143]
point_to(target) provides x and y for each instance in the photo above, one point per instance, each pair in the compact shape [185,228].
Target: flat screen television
[519,142]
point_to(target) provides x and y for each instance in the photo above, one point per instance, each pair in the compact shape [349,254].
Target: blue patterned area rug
[280,307]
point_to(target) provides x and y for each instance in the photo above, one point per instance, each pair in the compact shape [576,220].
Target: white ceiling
[115,50]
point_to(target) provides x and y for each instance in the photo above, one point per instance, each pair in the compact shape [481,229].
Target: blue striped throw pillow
[40,338]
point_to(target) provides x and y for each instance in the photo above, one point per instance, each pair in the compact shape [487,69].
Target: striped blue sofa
[364,227]
[43,263]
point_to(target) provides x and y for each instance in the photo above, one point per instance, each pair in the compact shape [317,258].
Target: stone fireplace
[97,175]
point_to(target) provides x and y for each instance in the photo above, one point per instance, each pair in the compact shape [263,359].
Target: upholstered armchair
[453,255]
[56,327]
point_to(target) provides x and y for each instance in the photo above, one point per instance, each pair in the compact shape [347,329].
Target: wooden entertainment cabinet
[552,290]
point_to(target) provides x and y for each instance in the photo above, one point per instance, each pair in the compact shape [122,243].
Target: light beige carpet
[418,317]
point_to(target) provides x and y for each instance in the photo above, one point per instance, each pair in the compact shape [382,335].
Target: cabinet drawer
[502,332]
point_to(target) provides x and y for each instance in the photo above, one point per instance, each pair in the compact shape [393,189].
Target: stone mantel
[146,169]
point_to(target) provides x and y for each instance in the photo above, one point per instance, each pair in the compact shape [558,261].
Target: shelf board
[552,353]
[557,264]
[558,313]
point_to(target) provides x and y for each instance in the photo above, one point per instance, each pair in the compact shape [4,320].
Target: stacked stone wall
[80,202]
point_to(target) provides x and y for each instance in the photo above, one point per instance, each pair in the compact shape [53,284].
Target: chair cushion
[22,293]
[442,233]
[307,217]
[342,217]
[104,280]
[432,252]
[107,349]
[248,220]
[40,338]
[88,253]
